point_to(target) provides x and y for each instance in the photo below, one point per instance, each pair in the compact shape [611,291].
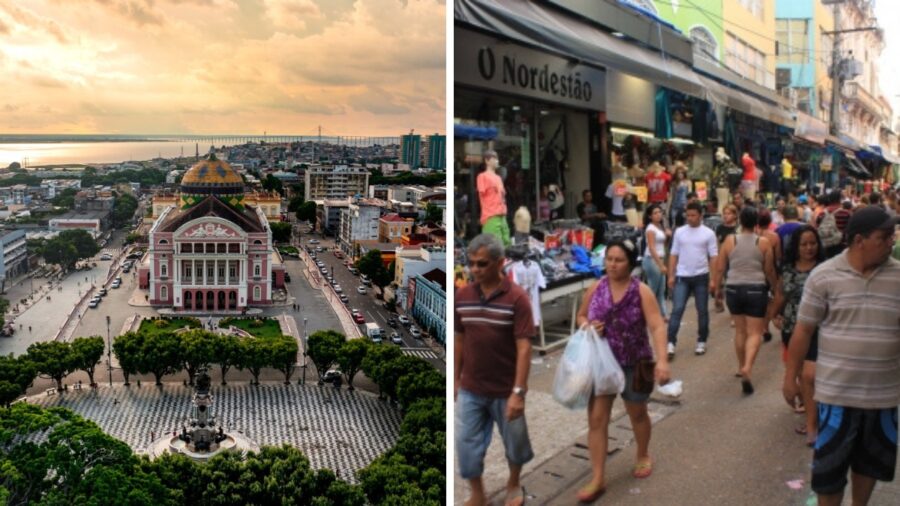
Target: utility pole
[836,81]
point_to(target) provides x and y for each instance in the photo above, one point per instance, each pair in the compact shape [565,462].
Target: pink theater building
[211,252]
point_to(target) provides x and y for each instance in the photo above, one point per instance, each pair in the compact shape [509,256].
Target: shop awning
[811,129]
[854,167]
[718,93]
[844,142]
[546,28]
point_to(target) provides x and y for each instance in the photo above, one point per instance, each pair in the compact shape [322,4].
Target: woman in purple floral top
[621,309]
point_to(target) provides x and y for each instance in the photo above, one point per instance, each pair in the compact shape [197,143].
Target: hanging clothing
[530,277]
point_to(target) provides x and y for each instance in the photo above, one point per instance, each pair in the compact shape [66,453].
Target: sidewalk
[711,446]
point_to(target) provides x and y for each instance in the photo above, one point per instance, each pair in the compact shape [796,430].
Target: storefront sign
[503,66]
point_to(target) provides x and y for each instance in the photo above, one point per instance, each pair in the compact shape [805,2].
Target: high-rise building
[337,182]
[411,150]
[437,152]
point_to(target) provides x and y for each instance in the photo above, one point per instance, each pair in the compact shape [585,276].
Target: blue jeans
[656,281]
[684,287]
[475,419]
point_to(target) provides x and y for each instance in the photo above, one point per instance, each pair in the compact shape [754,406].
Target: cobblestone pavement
[337,429]
[711,446]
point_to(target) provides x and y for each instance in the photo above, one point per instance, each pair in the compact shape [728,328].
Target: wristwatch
[519,391]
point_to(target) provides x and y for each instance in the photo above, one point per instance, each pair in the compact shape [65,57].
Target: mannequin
[787,177]
[522,225]
[555,197]
[616,191]
[749,180]
[492,197]
[658,184]
[721,178]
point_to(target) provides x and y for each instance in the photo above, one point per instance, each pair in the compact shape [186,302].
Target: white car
[93,303]
[361,290]
[106,256]
[415,331]
[395,338]
[338,289]
[403,319]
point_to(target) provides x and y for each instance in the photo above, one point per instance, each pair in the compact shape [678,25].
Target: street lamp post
[108,351]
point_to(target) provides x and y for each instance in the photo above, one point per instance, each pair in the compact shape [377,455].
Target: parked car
[353,270]
[323,270]
[395,338]
[102,292]
[415,332]
[392,322]
[338,254]
[320,249]
[314,241]
[355,312]
[358,318]
[126,270]
[115,284]
[331,375]
[345,299]
[338,289]
[361,290]
[93,303]
[364,278]
[403,319]
[106,256]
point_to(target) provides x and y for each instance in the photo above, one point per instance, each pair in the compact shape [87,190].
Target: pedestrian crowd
[823,271]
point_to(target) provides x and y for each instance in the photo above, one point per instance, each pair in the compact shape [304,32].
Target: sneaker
[701,349]
[671,349]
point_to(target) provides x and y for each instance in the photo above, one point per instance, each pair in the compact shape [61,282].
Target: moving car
[320,249]
[392,322]
[358,318]
[314,241]
[361,290]
[403,319]
[395,338]
[415,331]
[106,256]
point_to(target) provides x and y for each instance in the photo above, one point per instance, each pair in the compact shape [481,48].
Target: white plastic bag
[609,379]
[574,380]
[671,389]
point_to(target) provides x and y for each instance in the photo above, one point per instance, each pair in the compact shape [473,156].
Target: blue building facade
[437,152]
[797,59]
[410,150]
[15,254]
[429,306]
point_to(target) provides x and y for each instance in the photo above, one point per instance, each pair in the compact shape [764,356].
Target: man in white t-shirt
[694,249]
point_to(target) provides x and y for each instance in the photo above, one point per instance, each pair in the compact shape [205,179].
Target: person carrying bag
[622,309]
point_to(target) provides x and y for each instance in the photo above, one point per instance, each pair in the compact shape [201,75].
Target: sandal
[643,469]
[590,493]
[800,429]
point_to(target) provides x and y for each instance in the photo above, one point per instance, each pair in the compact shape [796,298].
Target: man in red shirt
[492,355]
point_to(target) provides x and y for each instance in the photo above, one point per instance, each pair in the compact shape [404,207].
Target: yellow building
[750,39]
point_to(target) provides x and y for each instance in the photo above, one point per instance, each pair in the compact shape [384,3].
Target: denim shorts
[628,394]
[747,300]
[474,426]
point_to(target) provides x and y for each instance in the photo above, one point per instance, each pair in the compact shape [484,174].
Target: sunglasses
[480,264]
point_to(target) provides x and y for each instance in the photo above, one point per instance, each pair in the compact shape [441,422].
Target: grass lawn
[288,249]
[270,328]
[149,326]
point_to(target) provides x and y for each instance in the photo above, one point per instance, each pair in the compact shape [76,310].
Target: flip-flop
[800,429]
[514,495]
[588,494]
[642,469]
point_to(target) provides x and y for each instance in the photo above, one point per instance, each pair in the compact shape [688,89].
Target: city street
[371,307]
[711,446]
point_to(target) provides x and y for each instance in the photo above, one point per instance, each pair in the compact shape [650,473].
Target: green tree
[226,352]
[254,356]
[307,211]
[128,348]
[391,480]
[16,374]
[350,358]
[87,353]
[160,355]
[433,213]
[61,252]
[374,361]
[425,414]
[392,370]
[324,346]
[273,183]
[283,354]
[84,243]
[281,231]
[53,358]
[296,201]
[198,348]
[421,385]
[124,209]
[372,265]
[66,198]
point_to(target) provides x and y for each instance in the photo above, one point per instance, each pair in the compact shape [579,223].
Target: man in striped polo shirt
[492,355]
[854,300]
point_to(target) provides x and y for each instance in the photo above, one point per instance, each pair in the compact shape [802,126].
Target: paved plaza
[337,429]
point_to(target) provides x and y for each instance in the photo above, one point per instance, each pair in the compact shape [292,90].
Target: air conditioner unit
[782,78]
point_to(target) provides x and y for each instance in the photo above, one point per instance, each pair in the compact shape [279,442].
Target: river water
[39,150]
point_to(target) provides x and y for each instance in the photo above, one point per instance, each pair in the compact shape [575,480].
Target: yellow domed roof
[211,172]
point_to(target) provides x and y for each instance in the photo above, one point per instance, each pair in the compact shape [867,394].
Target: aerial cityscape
[227,284]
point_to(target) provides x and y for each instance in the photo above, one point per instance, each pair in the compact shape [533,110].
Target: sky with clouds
[355,67]
[888,14]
